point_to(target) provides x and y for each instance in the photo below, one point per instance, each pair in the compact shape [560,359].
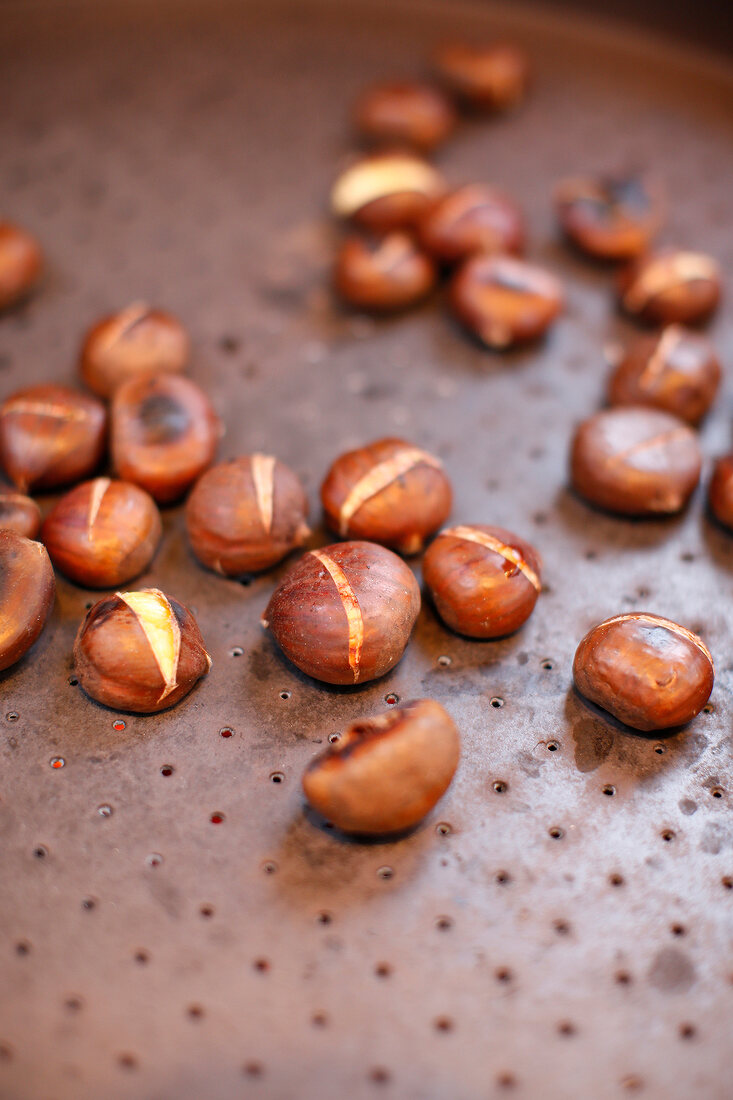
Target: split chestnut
[404,113]
[20,264]
[720,494]
[138,340]
[387,772]
[344,614]
[646,671]
[27,589]
[671,287]
[470,220]
[386,191]
[609,217]
[20,514]
[485,78]
[503,301]
[383,274]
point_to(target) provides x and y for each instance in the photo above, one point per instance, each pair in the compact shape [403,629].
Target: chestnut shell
[470,220]
[404,113]
[671,286]
[610,217]
[384,274]
[503,301]
[27,589]
[492,77]
[136,341]
[20,264]
[720,492]
[20,514]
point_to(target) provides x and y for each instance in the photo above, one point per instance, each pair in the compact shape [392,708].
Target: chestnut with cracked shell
[27,589]
[20,264]
[138,340]
[386,191]
[19,513]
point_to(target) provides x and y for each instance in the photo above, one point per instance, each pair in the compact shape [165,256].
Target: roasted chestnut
[636,461]
[27,589]
[720,493]
[389,492]
[164,434]
[671,287]
[385,773]
[676,370]
[404,113]
[503,301]
[51,436]
[486,78]
[610,217]
[383,274]
[472,219]
[139,651]
[386,191]
[246,515]
[20,264]
[344,614]
[646,671]
[484,580]
[138,340]
[103,533]
[20,514]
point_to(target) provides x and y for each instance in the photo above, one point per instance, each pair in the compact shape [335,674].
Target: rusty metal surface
[183,156]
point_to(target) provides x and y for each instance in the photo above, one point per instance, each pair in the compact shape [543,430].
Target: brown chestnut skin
[27,589]
[344,614]
[20,514]
[611,217]
[404,113]
[246,515]
[720,493]
[648,672]
[671,286]
[470,220]
[20,264]
[675,370]
[635,461]
[503,301]
[136,341]
[164,434]
[385,773]
[484,581]
[386,191]
[139,651]
[51,436]
[389,492]
[491,77]
[103,533]
[383,275]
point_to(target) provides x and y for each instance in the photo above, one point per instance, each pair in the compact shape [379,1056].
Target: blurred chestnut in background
[383,274]
[671,287]
[385,773]
[636,461]
[388,492]
[485,78]
[484,580]
[27,589]
[720,493]
[344,614]
[139,651]
[610,217]
[246,515]
[675,370]
[138,340]
[103,533]
[164,434]
[19,513]
[51,436]
[503,301]
[386,191]
[472,219]
[404,113]
[20,264]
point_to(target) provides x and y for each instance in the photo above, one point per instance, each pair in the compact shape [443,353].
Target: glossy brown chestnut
[610,217]
[646,671]
[635,461]
[138,340]
[344,614]
[20,514]
[676,370]
[486,78]
[404,113]
[503,301]
[387,772]
[484,580]
[671,287]
[139,651]
[720,493]
[470,220]
[386,191]
[389,492]
[246,515]
[20,264]
[103,533]
[383,274]
[51,436]
[27,589]
[164,434]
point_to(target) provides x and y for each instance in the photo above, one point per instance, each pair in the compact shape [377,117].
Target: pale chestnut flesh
[27,589]
[387,772]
